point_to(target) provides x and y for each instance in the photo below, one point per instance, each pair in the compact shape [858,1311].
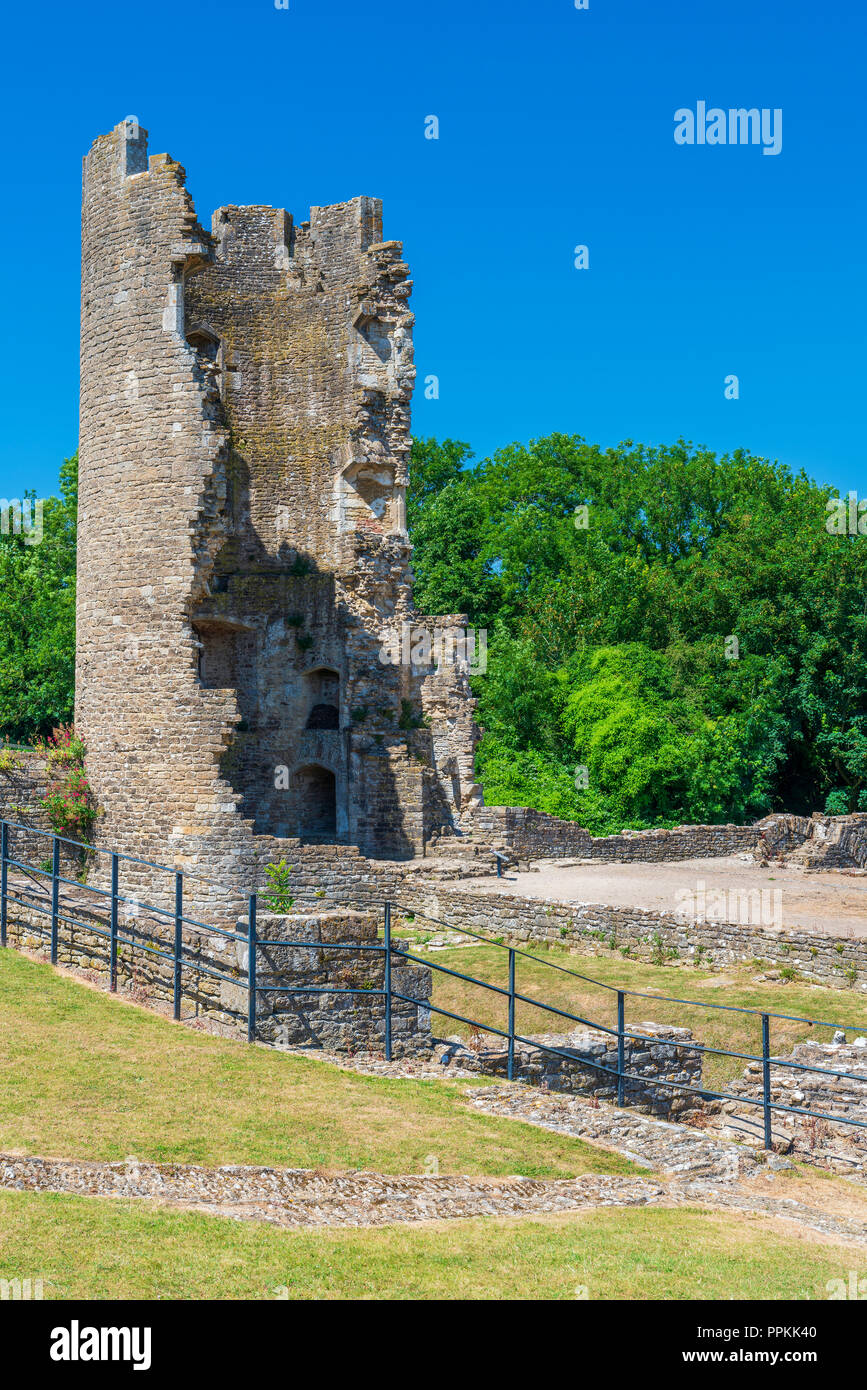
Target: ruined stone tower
[245,402]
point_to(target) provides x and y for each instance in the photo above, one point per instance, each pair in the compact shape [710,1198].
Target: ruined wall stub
[242,545]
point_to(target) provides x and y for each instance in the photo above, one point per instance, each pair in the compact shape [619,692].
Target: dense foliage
[683,627]
[37,618]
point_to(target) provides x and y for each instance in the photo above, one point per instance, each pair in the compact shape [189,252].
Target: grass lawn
[103,1249]
[714,1028]
[83,1075]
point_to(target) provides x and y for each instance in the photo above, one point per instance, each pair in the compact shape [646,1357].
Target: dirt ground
[832,902]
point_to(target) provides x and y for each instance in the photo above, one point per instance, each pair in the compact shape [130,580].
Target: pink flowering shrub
[69,802]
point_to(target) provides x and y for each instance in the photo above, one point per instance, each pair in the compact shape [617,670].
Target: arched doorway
[317,802]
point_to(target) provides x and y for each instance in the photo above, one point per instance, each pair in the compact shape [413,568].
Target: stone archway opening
[317,802]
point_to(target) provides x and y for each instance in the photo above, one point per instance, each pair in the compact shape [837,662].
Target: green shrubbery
[699,646]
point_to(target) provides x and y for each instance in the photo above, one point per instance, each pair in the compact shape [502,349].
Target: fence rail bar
[148,909]
[444,970]
[115,874]
[126,858]
[251,968]
[621,1047]
[766,1079]
[511,1063]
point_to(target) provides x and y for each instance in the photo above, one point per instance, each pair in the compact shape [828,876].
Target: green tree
[37,619]
[740,623]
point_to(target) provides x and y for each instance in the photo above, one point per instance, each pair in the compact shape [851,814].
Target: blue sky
[556,129]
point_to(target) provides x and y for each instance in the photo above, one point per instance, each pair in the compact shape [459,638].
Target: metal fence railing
[184,960]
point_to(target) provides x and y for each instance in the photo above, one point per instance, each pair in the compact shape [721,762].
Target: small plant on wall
[278,899]
[410,717]
[69,802]
[10,760]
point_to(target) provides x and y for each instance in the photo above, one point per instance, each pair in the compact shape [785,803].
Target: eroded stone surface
[242,539]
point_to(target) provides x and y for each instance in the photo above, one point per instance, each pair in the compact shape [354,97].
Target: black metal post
[112,939]
[4,878]
[511,1072]
[499,867]
[179,938]
[55,897]
[766,1078]
[387,981]
[251,969]
[621,1048]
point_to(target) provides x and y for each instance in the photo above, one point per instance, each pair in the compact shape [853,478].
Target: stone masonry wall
[815,842]
[242,538]
[24,782]
[593,928]
[340,874]
[536,835]
[827,1142]
[658,1056]
[337,1022]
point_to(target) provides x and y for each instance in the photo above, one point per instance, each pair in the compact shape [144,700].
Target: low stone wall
[23,785]
[145,969]
[835,842]
[340,874]
[535,835]
[818,841]
[840,1147]
[659,1056]
[336,1021]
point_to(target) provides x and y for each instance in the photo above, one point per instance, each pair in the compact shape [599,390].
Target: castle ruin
[242,549]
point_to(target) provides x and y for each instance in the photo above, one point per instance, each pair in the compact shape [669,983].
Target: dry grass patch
[713,1027]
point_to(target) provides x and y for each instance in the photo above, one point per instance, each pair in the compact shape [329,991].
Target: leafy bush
[69,802]
[279,898]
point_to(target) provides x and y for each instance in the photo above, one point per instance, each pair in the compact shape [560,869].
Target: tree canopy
[682,632]
[37,617]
